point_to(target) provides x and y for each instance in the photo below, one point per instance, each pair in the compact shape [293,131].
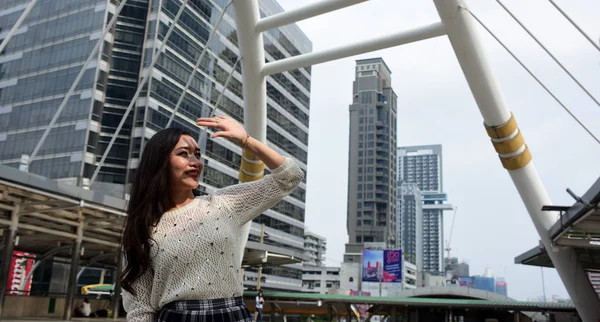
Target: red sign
[20,266]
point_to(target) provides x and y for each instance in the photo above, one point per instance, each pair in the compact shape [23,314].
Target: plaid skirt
[226,309]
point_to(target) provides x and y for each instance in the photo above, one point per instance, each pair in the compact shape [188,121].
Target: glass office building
[43,58]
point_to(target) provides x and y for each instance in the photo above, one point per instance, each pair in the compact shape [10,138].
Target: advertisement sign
[382,266]
[20,266]
[359,293]
[466,281]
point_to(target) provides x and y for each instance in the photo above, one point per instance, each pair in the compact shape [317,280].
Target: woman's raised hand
[227,128]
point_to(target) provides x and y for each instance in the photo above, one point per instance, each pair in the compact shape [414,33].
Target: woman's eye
[198,155]
[183,154]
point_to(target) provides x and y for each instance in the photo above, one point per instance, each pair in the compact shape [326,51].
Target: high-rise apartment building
[41,61]
[316,277]
[501,286]
[372,158]
[422,165]
[315,247]
[409,223]
[455,269]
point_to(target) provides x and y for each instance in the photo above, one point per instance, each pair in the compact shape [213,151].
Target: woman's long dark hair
[148,200]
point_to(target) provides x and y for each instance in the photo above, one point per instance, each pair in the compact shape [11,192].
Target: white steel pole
[17,25]
[251,48]
[514,155]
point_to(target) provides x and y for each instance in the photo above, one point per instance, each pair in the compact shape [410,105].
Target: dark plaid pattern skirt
[227,310]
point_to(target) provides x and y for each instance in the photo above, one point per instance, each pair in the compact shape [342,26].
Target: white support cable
[204,134]
[533,75]
[202,139]
[76,81]
[17,25]
[139,90]
[575,25]
[549,53]
[198,62]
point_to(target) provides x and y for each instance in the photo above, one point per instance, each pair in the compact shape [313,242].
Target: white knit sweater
[198,248]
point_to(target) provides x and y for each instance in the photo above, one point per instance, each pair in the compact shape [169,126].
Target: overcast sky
[435,106]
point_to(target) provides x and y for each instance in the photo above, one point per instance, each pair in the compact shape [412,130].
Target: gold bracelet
[246,143]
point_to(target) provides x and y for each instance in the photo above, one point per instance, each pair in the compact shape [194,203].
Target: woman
[183,253]
[260,301]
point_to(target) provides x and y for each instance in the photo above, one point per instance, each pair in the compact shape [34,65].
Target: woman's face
[185,164]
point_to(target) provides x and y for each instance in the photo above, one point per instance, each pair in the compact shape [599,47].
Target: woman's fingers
[210,122]
[223,134]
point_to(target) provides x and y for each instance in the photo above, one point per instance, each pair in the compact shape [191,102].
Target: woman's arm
[268,156]
[139,307]
[248,200]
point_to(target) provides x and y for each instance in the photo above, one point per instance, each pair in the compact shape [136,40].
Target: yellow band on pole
[253,167]
[502,130]
[510,146]
[248,178]
[518,161]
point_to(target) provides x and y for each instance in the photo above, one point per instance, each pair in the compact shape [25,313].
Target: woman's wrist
[244,141]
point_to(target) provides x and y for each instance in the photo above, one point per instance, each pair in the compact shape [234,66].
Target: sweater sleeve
[250,199]
[139,307]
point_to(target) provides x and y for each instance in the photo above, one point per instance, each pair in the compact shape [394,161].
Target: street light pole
[262,241]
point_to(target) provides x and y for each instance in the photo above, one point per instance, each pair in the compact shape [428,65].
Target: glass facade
[45,55]
[37,68]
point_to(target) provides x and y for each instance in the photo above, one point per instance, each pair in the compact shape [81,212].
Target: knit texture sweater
[197,249]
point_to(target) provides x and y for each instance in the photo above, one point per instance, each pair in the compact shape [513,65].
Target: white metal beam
[397,39]
[17,25]
[298,14]
[482,82]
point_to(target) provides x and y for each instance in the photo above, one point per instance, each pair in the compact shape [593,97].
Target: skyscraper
[409,223]
[501,286]
[372,159]
[422,165]
[41,61]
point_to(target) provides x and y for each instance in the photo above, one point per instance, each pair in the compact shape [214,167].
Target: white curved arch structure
[455,291]
[499,122]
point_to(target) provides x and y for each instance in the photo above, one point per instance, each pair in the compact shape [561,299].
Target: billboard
[382,266]
[20,266]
